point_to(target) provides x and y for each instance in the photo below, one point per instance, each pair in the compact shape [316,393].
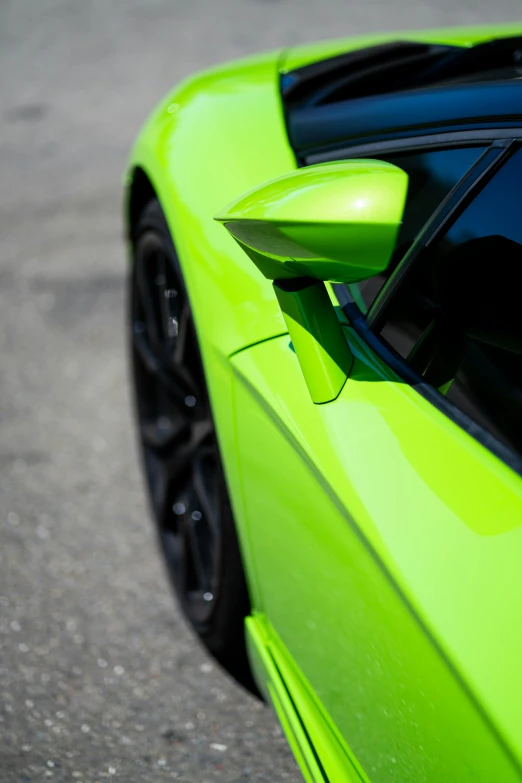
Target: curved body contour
[382,543]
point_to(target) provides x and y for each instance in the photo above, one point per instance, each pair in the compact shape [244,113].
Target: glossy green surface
[382,543]
[278,677]
[317,338]
[387,546]
[332,221]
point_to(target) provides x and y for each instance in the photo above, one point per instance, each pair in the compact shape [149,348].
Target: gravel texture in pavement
[100,677]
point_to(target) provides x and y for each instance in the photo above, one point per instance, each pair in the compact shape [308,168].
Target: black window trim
[484,168]
[455,203]
[489,155]
[438,139]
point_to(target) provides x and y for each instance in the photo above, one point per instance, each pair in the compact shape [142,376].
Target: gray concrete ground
[99,675]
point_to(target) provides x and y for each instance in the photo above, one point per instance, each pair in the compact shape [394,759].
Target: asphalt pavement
[100,677]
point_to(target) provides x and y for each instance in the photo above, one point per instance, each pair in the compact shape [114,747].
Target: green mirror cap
[332,221]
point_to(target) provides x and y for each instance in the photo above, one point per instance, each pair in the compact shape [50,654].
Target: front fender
[216,136]
[212,139]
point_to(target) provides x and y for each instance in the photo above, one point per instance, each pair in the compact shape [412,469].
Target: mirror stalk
[317,336]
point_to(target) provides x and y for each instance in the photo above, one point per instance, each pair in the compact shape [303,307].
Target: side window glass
[457,318]
[431,177]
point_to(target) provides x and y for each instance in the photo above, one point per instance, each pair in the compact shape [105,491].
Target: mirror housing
[332,221]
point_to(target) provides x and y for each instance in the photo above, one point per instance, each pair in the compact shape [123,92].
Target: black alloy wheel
[180,451]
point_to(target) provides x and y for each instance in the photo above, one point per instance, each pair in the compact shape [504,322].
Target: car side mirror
[333,222]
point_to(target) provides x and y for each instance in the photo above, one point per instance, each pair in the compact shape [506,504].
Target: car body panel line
[321,753]
[257,342]
[399,591]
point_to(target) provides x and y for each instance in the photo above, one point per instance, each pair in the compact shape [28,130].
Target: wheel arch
[214,137]
[211,139]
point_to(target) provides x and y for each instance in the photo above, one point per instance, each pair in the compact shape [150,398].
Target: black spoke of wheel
[171,302]
[163,304]
[144,349]
[147,291]
[199,432]
[176,378]
[162,433]
[206,497]
[171,463]
[199,557]
[183,328]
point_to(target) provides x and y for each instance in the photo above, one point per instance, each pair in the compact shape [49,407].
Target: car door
[386,536]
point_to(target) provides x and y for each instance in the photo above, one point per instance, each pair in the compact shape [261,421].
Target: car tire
[181,458]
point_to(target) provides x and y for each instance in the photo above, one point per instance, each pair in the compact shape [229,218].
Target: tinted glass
[457,318]
[431,177]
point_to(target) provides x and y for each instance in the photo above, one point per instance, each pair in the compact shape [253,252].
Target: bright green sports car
[325,305]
